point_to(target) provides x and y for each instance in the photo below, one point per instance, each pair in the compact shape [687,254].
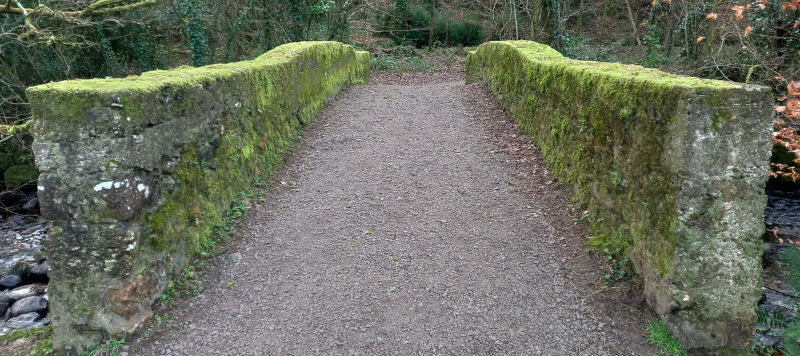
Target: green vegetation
[776,324]
[402,60]
[658,334]
[112,347]
[19,175]
[791,258]
[446,30]
[40,340]
[790,337]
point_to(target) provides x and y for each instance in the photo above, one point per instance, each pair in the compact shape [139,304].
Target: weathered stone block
[136,172]
[671,168]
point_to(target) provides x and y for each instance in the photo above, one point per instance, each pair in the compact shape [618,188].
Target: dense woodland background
[52,40]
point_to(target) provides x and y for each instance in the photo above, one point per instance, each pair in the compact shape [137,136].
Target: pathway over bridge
[406,231]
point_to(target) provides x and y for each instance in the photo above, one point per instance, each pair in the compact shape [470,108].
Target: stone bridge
[137,173]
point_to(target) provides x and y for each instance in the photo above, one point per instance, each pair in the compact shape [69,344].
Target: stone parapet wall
[671,168]
[137,172]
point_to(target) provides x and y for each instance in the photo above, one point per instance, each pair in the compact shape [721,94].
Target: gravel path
[402,233]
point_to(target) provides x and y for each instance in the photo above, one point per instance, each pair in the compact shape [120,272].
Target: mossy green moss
[19,175]
[601,126]
[670,168]
[280,104]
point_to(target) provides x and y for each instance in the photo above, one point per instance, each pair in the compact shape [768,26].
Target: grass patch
[658,334]
[110,348]
[39,342]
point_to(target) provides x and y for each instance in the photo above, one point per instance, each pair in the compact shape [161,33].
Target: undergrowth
[658,334]
[401,59]
[791,333]
[111,348]
[612,247]
[41,337]
[791,257]
[776,323]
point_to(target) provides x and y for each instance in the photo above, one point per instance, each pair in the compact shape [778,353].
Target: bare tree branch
[99,8]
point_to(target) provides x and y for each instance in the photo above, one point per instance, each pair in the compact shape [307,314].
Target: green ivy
[192,11]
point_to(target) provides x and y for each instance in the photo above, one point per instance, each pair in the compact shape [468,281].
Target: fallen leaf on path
[230,284]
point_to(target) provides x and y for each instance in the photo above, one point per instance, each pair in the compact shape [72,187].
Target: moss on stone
[195,137]
[649,154]
[19,175]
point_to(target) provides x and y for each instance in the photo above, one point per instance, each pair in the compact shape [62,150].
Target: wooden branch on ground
[781,292]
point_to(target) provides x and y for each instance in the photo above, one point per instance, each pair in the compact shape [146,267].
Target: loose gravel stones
[401,231]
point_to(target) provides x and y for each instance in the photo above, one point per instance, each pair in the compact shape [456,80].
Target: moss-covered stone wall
[672,170]
[136,172]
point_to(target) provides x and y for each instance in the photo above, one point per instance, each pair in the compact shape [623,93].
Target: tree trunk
[633,22]
[603,21]
[433,24]
[580,19]
[516,24]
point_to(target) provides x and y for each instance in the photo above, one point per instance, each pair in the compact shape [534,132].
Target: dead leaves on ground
[789,138]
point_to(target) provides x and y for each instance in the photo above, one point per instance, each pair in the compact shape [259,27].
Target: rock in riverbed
[28,305]
[23,274]
[27,321]
[10,281]
[25,291]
